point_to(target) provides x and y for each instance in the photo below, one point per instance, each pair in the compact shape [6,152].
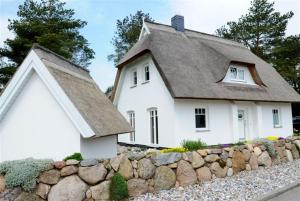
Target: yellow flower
[272,138]
[175,149]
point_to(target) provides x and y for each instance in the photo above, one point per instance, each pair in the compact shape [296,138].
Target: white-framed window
[131,116]
[153,125]
[201,120]
[146,73]
[237,74]
[276,118]
[134,77]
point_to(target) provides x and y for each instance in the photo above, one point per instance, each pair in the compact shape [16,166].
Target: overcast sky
[101,15]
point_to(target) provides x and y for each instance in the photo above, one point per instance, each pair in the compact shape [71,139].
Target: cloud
[4,32]
[208,15]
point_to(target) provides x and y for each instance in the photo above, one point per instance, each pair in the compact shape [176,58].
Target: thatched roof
[193,64]
[81,89]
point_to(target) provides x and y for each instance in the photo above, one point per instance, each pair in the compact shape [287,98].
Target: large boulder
[94,174]
[264,159]
[196,160]
[115,162]
[49,177]
[101,191]
[211,158]
[137,187]
[257,151]
[68,170]
[145,168]
[216,169]
[289,155]
[59,164]
[203,174]
[238,162]
[164,178]
[295,151]
[125,169]
[253,162]
[247,154]
[136,155]
[2,183]
[297,143]
[186,175]
[89,162]
[43,190]
[70,188]
[28,196]
[165,158]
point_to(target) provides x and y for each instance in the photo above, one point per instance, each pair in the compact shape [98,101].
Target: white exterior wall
[36,126]
[142,97]
[223,121]
[286,128]
[100,148]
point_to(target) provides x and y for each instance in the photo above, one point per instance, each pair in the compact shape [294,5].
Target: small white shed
[52,108]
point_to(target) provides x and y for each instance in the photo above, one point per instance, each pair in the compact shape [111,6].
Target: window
[276,118]
[147,73]
[201,118]
[154,126]
[237,74]
[134,78]
[131,115]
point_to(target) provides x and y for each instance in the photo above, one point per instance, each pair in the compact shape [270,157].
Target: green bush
[75,156]
[118,188]
[23,173]
[193,145]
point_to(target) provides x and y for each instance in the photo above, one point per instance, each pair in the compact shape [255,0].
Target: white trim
[31,64]
[144,30]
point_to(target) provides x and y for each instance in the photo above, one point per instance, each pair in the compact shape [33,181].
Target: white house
[178,84]
[52,108]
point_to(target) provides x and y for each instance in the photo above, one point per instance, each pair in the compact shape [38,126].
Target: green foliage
[260,29]
[240,143]
[193,145]
[118,188]
[75,156]
[175,149]
[127,34]
[50,24]
[23,173]
[286,60]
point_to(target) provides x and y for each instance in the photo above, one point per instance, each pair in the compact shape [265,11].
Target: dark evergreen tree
[127,34]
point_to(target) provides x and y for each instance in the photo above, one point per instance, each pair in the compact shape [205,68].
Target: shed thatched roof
[193,64]
[81,89]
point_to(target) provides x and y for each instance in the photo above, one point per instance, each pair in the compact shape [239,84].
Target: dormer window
[237,74]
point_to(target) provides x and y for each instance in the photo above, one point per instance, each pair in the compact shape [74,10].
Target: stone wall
[152,171]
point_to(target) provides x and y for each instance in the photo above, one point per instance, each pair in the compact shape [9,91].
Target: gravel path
[243,186]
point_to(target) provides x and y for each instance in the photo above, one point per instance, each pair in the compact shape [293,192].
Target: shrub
[193,145]
[175,149]
[75,156]
[23,173]
[118,188]
[269,146]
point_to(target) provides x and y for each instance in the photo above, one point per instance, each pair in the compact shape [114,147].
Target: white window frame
[279,124]
[131,120]
[153,126]
[134,78]
[237,77]
[146,70]
[198,111]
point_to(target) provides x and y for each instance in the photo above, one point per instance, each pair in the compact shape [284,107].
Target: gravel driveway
[243,186]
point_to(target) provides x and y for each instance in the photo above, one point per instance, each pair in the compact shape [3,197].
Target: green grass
[75,156]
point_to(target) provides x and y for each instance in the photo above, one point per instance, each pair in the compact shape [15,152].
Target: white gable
[244,72]
[31,64]
[35,124]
